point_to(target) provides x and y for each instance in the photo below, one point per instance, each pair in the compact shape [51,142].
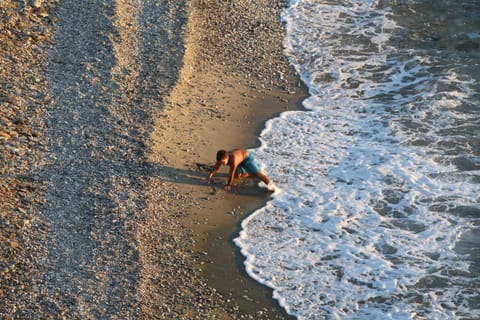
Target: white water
[375,215]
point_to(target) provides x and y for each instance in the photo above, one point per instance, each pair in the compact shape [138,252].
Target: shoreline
[224,264]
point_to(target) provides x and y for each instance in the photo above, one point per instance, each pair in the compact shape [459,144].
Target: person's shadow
[196,174]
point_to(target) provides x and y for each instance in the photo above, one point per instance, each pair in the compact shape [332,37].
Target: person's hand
[227,187]
[208,180]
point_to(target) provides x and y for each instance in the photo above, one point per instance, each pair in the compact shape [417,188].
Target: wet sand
[213,214]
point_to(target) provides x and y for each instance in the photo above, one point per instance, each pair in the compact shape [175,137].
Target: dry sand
[105,211]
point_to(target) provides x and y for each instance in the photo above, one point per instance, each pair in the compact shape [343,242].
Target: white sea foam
[367,223]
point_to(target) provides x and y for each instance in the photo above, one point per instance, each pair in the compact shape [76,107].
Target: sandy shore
[107,135]
[234,78]
[221,101]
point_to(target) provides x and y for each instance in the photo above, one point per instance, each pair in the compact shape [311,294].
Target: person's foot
[271,186]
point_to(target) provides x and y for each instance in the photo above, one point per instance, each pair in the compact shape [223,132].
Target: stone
[37,4]
[4,136]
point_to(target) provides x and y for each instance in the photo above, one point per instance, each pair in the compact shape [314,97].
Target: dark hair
[221,154]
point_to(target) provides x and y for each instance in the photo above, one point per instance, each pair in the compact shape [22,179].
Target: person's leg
[242,175]
[241,172]
[252,167]
[260,175]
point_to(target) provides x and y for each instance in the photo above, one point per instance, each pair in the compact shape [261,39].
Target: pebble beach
[110,116]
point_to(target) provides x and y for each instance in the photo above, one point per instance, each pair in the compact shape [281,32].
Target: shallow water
[379,212]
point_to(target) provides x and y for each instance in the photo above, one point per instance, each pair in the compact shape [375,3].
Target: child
[242,164]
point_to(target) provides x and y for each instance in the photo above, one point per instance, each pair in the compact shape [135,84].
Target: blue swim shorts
[249,165]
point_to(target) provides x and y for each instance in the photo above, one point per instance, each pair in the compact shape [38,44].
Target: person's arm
[231,176]
[214,170]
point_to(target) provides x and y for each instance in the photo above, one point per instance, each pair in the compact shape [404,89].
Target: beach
[108,136]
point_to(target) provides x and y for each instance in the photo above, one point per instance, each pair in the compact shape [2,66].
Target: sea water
[378,212]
